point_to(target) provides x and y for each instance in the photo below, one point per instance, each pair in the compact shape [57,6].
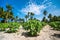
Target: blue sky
[21,7]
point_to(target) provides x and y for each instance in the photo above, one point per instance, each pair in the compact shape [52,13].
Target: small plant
[33,27]
[9,27]
[13,27]
[3,26]
[43,23]
[55,25]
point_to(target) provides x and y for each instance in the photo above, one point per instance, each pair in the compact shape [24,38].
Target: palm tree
[1,11]
[9,13]
[16,19]
[45,12]
[9,7]
[58,18]
[29,16]
[32,14]
[54,18]
[44,18]
[50,17]
[26,17]
[2,14]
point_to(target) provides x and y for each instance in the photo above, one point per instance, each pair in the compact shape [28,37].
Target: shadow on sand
[56,35]
[26,34]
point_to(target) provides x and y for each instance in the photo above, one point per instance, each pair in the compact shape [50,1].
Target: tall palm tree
[9,13]
[54,18]
[26,17]
[28,14]
[50,17]
[58,18]
[1,11]
[31,15]
[44,18]
[45,12]
[2,14]
[16,19]
[9,7]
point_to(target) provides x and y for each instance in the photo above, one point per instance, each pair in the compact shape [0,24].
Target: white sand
[45,34]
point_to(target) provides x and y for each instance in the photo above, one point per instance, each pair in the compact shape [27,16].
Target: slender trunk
[26,19]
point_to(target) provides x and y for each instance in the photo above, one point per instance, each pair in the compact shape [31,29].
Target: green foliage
[45,12]
[33,26]
[6,14]
[43,23]
[53,18]
[44,20]
[3,26]
[12,27]
[55,25]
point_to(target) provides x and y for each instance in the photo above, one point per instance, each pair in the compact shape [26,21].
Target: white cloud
[36,9]
[33,8]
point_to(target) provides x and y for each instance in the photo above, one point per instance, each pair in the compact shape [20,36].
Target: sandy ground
[46,34]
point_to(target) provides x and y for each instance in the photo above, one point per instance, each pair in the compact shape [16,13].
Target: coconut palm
[50,17]
[2,14]
[54,18]
[1,11]
[9,13]
[16,19]
[9,7]
[58,18]
[45,12]
[31,15]
[44,18]
[26,17]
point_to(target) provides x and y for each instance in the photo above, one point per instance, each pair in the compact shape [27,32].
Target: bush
[43,23]
[33,27]
[12,27]
[55,25]
[3,26]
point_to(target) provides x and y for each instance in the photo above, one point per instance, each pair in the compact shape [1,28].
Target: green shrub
[33,27]
[13,27]
[55,25]
[43,23]
[3,26]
